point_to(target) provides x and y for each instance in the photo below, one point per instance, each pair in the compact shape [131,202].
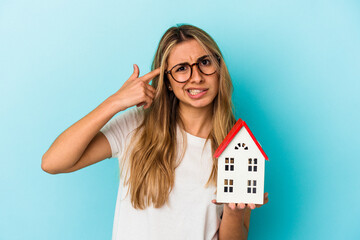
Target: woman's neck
[197,121]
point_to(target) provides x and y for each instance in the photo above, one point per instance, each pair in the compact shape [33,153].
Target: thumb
[136,72]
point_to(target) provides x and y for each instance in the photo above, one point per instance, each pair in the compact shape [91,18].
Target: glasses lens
[181,72]
[207,66]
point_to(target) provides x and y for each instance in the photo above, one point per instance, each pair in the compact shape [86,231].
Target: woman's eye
[205,62]
[180,69]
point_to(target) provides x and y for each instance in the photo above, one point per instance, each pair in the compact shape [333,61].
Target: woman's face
[200,90]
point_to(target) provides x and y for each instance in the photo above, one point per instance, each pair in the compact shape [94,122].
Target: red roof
[236,128]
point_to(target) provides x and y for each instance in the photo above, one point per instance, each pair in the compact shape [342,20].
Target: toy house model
[241,167]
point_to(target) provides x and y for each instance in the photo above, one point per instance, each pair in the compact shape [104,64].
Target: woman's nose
[196,75]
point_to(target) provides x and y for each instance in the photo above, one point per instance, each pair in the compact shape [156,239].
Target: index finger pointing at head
[147,77]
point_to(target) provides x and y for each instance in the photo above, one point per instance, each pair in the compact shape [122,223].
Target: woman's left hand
[235,206]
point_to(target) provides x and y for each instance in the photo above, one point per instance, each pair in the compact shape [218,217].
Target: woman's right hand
[136,90]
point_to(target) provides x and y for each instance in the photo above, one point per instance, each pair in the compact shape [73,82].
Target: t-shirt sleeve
[118,128]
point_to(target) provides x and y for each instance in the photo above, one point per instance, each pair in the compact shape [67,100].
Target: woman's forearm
[232,226]
[69,146]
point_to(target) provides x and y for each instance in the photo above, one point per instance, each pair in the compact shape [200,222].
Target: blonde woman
[164,144]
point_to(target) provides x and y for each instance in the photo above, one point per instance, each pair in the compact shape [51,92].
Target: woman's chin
[196,104]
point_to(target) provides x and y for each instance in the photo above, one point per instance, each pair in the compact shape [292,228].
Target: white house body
[241,170]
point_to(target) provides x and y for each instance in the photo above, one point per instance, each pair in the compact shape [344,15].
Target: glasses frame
[191,69]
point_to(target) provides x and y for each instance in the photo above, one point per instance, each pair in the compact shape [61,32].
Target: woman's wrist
[233,223]
[112,105]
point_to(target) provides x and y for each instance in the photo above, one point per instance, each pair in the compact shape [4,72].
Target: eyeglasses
[182,72]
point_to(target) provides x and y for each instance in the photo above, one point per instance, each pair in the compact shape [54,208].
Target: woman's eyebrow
[196,60]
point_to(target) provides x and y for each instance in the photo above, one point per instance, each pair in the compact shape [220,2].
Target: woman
[164,145]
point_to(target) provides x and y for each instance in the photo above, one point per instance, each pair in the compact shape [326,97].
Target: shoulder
[130,118]
[124,122]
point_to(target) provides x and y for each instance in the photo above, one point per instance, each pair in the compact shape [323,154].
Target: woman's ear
[167,83]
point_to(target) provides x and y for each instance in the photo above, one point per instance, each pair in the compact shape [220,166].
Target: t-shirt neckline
[195,139]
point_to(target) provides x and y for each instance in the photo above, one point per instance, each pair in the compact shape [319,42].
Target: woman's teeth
[194,92]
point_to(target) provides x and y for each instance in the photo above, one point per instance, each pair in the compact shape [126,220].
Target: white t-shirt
[190,213]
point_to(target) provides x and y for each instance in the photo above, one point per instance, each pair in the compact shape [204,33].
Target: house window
[252,165]
[228,185]
[229,164]
[251,185]
[241,145]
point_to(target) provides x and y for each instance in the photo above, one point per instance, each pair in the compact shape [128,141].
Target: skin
[136,90]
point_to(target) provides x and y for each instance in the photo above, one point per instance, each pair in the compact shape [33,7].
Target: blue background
[295,66]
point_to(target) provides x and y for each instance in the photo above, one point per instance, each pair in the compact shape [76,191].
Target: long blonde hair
[150,174]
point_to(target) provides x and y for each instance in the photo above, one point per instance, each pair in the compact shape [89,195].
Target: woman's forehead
[187,51]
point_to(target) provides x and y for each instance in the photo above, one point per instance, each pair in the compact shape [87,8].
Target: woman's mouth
[196,93]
